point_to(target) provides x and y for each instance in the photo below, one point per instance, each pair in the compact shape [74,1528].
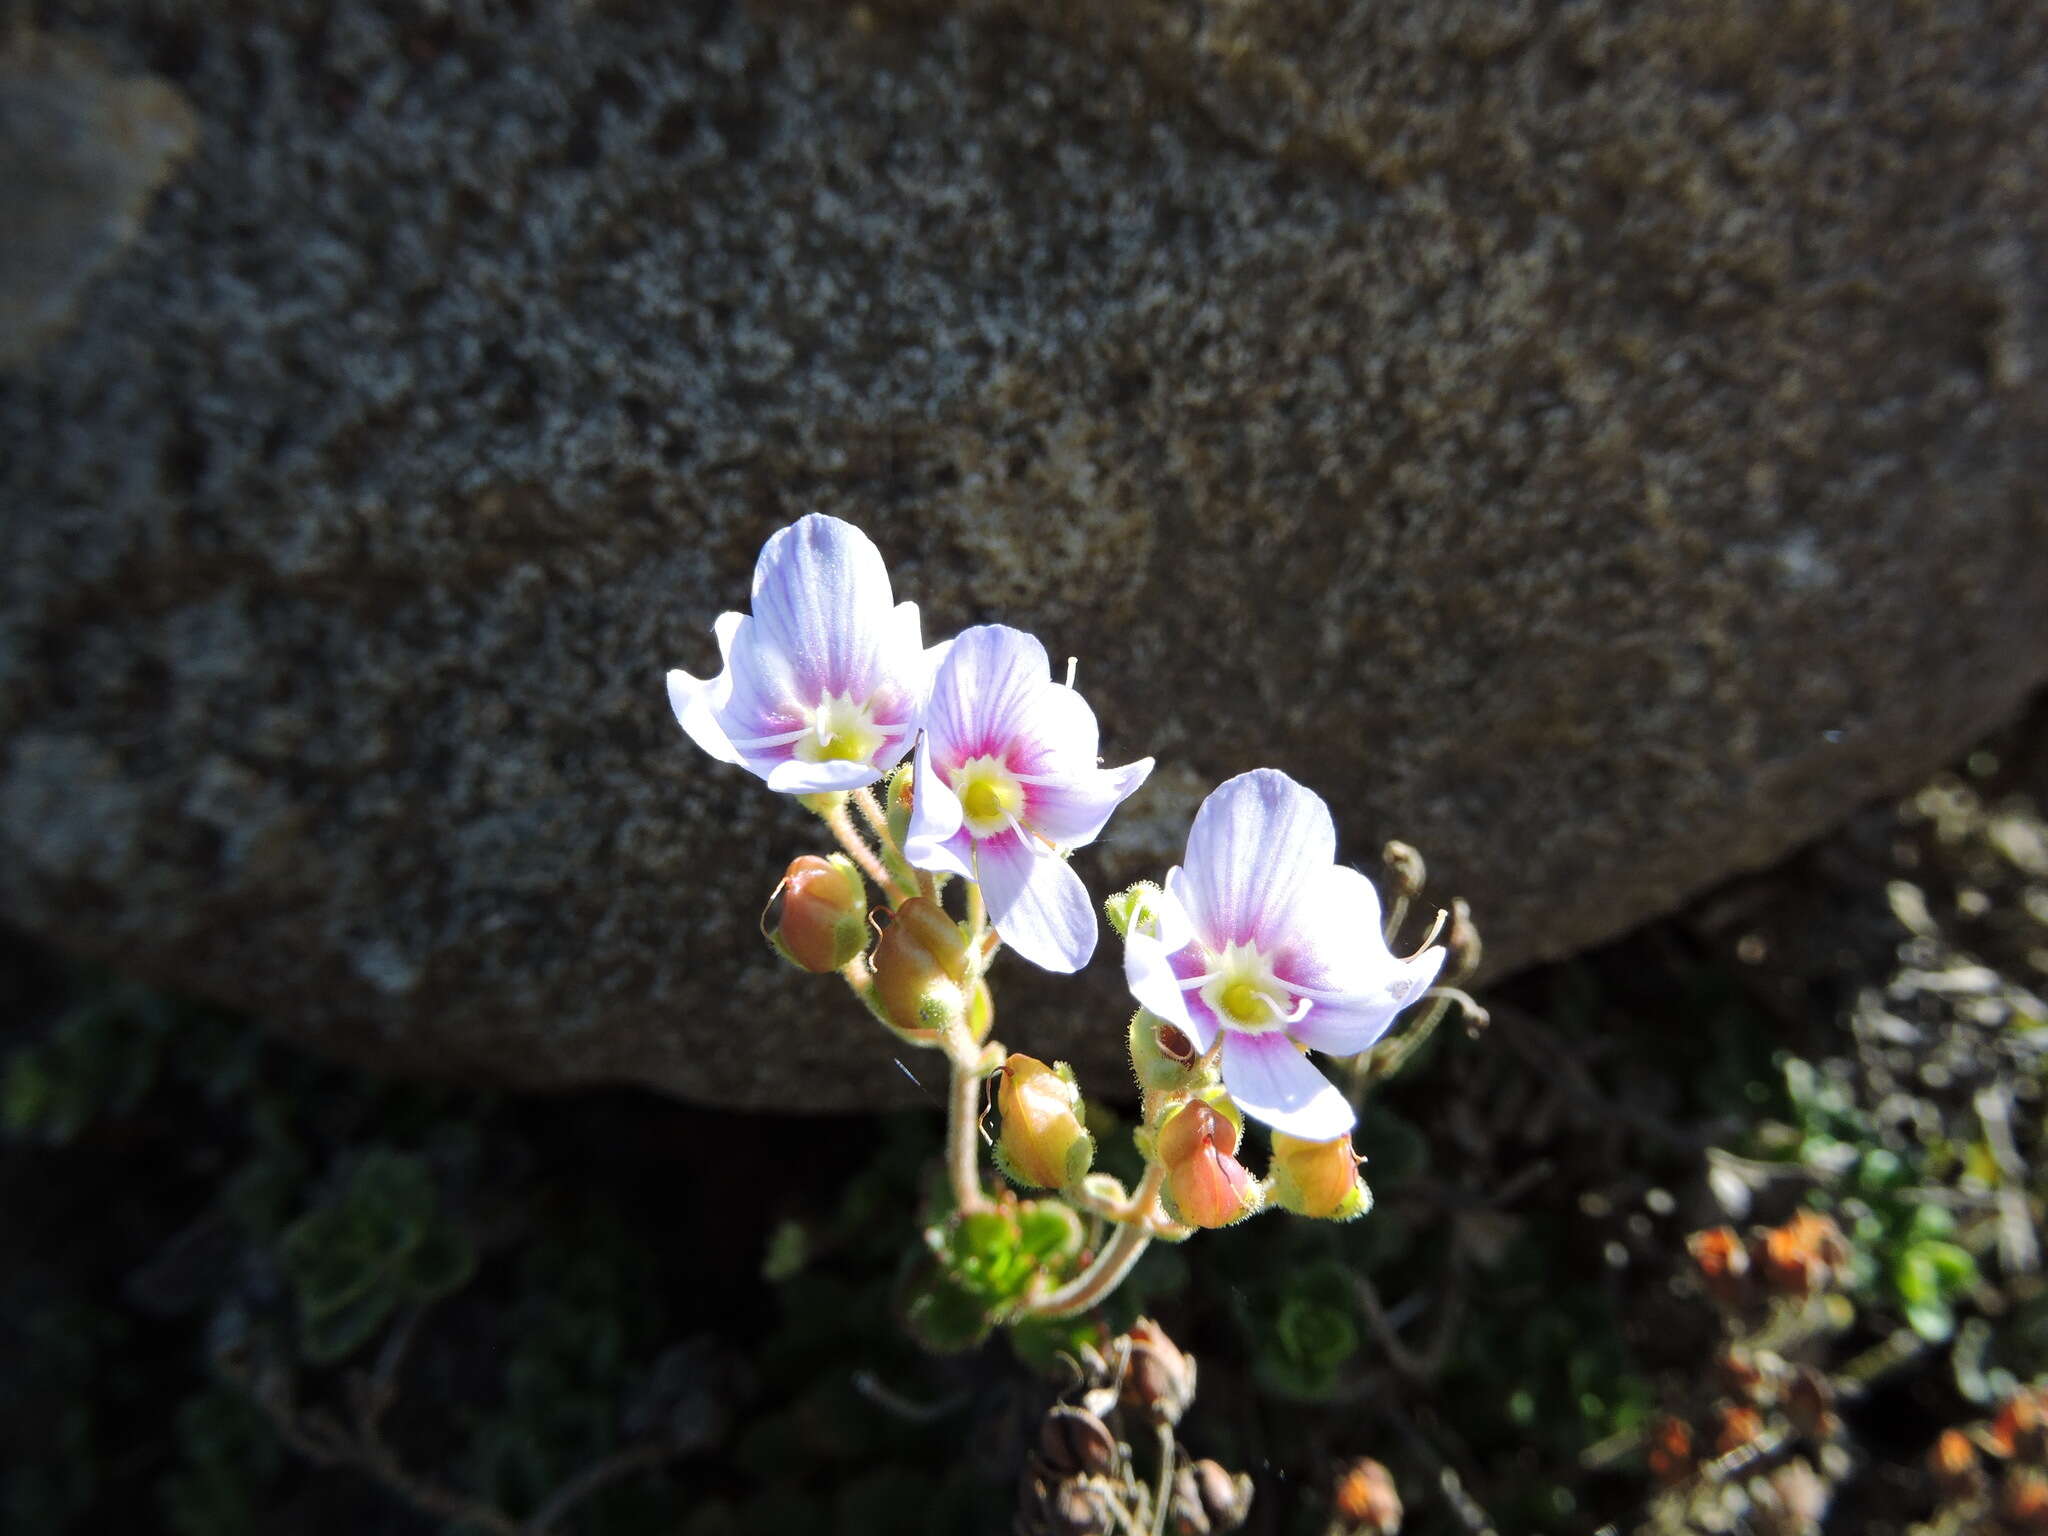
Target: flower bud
[1205,1185]
[920,968]
[1317,1178]
[1162,1055]
[824,921]
[896,804]
[1043,1144]
[1365,1501]
[1129,905]
[1159,1380]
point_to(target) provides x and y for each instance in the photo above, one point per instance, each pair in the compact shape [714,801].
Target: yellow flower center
[989,794]
[841,732]
[1244,992]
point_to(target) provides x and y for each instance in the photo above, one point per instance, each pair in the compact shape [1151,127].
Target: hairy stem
[963,1123]
[878,822]
[857,849]
[1113,1263]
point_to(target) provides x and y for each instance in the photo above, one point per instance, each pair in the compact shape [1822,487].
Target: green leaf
[944,1318]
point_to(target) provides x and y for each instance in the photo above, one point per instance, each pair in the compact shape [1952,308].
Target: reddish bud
[1043,1144]
[1205,1185]
[1316,1178]
[920,969]
[823,924]
[1365,1501]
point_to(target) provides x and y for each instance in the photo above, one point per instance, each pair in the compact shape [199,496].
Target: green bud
[824,919]
[1131,903]
[896,802]
[1162,1055]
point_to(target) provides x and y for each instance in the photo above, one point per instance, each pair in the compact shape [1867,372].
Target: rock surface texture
[1601,443]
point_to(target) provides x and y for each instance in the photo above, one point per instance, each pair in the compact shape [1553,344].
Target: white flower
[822,685]
[1262,937]
[1006,784]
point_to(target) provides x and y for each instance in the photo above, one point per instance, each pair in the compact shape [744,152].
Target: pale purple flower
[1260,936]
[823,683]
[1007,783]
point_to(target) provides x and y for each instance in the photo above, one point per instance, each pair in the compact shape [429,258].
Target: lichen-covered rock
[1599,443]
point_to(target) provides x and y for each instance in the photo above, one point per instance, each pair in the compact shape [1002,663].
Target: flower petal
[697,700]
[822,600]
[1334,943]
[1273,1082]
[983,692]
[1148,966]
[1344,1025]
[1072,811]
[1036,902]
[1056,733]
[794,776]
[935,818]
[1256,843]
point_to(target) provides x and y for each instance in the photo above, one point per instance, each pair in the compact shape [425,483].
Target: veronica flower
[822,685]
[1262,938]
[1006,784]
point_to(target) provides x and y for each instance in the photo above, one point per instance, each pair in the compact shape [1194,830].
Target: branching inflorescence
[1258,948]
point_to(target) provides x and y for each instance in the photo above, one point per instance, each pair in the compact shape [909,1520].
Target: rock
[81,154]
[1601,444]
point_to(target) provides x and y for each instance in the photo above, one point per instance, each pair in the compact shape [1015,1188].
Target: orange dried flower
[1670,1454]
[2023,1501]
[1806,1254]
[1740,1425]
[1365,1501]
[1953,1461]
[1723,1265]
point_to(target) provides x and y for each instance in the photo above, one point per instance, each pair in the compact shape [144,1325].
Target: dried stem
[1162,1492]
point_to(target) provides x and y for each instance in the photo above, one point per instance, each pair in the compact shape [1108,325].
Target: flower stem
[1112,1264]
[878,822]
[835,816]
[963,1118]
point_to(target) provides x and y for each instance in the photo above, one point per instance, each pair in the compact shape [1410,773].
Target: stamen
[744,743]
